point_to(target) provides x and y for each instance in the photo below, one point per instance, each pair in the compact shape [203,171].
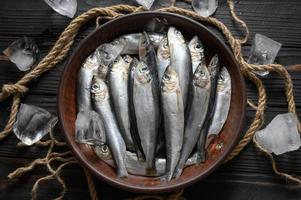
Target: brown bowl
[130,24]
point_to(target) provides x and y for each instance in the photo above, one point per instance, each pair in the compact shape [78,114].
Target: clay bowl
[130,24]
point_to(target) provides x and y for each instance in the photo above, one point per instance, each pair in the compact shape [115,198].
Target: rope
[91,185]
[61,49]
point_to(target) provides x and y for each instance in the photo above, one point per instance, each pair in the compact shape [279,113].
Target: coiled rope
[60,50]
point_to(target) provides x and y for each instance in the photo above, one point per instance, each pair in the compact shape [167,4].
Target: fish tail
[201,151]
[122,172]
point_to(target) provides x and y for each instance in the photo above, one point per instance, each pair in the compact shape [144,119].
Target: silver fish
[103,71]
[214,71]
[89,128]
[180,59]
[173,117]
[222,105]
[146,103]
[163,58]
[85,75]
[134,129]
[196,49]
[130,42]
[118,80]
[197,112]
[108,52]
[101,103]
[134,165]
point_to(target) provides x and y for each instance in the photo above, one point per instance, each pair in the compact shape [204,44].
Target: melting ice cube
[89,128]
[32,123]
[109,52]
[64,7]
[23,52]
[205,8]
[147,4]
[264,51]
[281,134]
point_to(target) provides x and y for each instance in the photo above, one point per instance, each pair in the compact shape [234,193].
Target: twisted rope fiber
[62,47]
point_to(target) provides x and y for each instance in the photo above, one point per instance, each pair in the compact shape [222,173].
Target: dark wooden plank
[248,176]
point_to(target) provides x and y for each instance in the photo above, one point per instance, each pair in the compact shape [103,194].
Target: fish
[222,105]
[118,84]
[147,54]
[130,42]
[24,52]
[180,59]
[146,4]
[133,121]
[134,166]
[89,128]
[196,49]
[146,108]
[173,117]
[214,71]
[108,52]
[101,103]
[163,58]
[196,116]
[85,75]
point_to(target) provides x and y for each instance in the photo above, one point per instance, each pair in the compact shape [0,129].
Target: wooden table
[248,176]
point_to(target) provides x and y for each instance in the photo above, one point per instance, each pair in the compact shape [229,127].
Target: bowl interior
[131,24]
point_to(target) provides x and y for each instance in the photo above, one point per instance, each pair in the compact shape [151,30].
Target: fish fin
[201,156]
[166,178]
[122,172]
[178,172]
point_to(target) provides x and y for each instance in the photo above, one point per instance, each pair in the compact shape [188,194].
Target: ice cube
[23,52]
[147,4]
[205,8]
[109,52]
[64,7]
[89,128]
[280,135]
[32,123]
[263,51]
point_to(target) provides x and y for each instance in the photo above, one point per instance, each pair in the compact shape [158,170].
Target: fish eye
[166,77]
[177,32]
[198,46]
[95,86]
[104,148]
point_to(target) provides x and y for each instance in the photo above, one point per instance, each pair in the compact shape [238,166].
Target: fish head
[128,60]
[144,43]
[99,90]
[213,65]
[143,74]
[174,35]
[117,64]
[92,61]
[201,77]
[102,71]
[224,80]
[196,48]
[170,80]
[103,151]
[163,49]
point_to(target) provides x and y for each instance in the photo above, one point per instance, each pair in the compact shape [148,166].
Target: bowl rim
[154,189]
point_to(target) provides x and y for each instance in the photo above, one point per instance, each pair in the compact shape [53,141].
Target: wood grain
[248,176]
